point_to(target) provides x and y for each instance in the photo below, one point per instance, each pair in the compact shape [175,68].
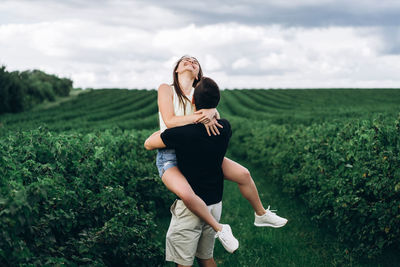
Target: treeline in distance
[20,91]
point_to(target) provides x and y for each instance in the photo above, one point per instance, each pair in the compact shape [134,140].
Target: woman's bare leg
[177,183]
[235,172]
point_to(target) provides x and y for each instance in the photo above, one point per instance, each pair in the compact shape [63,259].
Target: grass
[299,243]
[59,99]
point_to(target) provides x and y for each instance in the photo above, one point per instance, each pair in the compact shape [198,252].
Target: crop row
[83,106]
[88,189]
[347,173]
[72,199]
[82,113]
[117,107]
[309,106]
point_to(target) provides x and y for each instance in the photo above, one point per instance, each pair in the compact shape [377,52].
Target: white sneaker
[269,219]
[227,239]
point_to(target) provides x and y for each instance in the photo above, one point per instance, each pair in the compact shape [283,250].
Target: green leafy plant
[79,199]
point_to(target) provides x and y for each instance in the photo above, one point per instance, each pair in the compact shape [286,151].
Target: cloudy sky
[241,44]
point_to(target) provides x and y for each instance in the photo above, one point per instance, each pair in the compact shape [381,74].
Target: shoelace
[271,210]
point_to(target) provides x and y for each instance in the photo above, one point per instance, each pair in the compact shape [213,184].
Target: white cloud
[211,63]
[136,14]
[241,63]
[131,44]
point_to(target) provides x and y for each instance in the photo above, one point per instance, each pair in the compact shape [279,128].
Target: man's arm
[172,138]
[154,141]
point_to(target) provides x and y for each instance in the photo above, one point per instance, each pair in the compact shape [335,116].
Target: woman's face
[189,64]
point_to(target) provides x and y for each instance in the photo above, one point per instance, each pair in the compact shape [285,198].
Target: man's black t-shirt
[200,157]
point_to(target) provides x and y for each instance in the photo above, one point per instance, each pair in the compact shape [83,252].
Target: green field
[137,109]
[78,188]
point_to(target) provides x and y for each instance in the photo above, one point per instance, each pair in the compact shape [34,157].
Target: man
[199,159]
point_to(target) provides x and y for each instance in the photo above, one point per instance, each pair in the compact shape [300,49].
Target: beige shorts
[188,236]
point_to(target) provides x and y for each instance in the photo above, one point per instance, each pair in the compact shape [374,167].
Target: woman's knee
[246,173]
[245,176]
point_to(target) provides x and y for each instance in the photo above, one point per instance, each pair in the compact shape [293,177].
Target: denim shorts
[166,158]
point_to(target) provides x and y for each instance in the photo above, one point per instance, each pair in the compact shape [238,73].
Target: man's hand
[212,127]
[206,115]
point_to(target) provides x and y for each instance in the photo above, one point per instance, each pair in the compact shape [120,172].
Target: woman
[176,109]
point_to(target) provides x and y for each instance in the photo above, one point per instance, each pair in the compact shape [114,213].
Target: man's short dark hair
[206,94]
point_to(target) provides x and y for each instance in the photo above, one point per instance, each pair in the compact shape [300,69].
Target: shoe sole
[226,248]
[230,251]
[269,225]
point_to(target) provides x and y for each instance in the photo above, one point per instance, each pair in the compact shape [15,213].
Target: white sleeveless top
[178,107]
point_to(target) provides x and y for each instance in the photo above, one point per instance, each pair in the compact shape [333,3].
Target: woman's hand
[205,115]
[212,127]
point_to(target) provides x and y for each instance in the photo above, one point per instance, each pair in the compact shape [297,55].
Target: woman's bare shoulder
[164,87]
